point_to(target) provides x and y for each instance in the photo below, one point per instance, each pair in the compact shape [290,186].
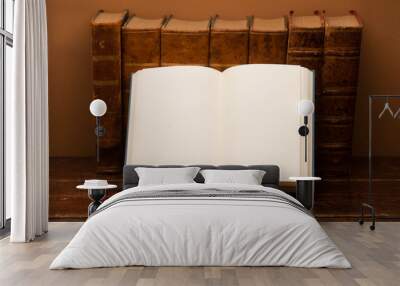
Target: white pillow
[165,176]
[248,177]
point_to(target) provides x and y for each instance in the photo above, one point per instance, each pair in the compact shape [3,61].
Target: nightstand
[96,194]
[305,190]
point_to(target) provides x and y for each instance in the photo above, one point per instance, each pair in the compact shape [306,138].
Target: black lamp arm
[99,131]
[303,131]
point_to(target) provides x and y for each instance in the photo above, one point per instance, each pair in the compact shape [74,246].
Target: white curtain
[27,124]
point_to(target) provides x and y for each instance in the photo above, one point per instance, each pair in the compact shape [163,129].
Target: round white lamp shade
[306,107]
[98,107]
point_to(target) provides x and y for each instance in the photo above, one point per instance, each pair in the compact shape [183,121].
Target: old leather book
[305,48]
[141,48]
[306,43]
[106,62]
[229,43]
[268,41]
[185,42]
[339,90]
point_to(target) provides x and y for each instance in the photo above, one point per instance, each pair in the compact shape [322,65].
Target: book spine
[305,48]
[140,49]
[106,63]
[184,47]
[228,48]
[268,47]
[337,103]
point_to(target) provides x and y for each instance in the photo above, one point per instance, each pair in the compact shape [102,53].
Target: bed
[201,225]
[235,120]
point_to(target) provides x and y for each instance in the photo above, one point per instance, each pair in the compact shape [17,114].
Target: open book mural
[198,115]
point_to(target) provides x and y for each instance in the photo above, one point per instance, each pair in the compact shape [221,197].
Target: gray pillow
[248,177]
[165,176]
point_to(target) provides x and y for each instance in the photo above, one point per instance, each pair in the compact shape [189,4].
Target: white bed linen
[223,232]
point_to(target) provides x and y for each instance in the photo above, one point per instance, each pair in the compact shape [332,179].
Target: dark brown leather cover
[336,106]
[106,62]
[185,42]
[229,46]
[305,48]
[141,44]
[306,43]
[268,41]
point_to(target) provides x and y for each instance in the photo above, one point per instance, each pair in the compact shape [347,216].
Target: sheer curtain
[27,124]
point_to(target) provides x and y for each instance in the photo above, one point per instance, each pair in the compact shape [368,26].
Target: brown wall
[71,125]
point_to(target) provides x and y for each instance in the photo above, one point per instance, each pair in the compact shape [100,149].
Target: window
[6,65]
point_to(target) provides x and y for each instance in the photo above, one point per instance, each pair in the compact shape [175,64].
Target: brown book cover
[339,90]
[268,41]
[305,48]
[141,48]
[306,43]
[106,63]
[229,43]
[185,42]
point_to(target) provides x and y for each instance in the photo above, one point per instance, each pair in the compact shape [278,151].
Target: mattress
[201,225]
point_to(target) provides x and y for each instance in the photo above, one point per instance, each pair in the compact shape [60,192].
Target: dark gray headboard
[271,177]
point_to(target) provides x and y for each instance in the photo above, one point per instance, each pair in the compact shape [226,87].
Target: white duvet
[194,231]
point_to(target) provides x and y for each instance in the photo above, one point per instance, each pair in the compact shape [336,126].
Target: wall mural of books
[122,45]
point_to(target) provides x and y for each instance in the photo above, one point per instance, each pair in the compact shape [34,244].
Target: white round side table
[96,194]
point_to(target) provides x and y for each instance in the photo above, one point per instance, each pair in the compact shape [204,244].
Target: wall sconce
[98,108]
[305,108]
